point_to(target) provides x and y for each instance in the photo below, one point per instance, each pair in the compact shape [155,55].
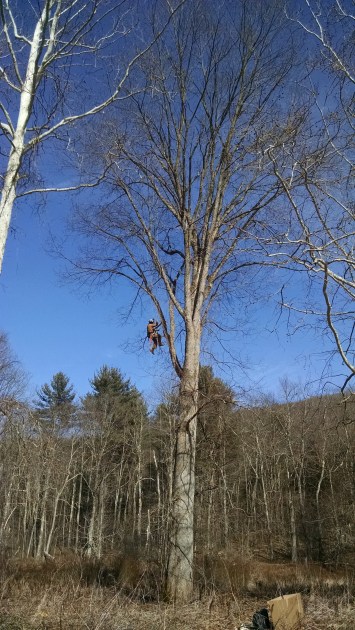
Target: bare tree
[13,379]
[316,174]
[49,51]
[188,190]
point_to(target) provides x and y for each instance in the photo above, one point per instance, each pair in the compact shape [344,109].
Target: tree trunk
[319,517]
[43,521]
[180,562]
[78,513]
[71,514]
[209,512]
[91,543]
[293,528]
[28,88]
[101,520]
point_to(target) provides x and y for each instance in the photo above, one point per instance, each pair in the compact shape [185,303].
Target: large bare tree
[55,74]
[189,187]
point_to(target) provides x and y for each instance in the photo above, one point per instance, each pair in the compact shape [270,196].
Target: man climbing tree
[153,335]
[189,188]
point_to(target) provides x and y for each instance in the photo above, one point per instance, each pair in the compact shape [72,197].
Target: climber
[153,335]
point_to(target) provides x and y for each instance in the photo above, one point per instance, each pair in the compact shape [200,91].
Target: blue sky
[52,326]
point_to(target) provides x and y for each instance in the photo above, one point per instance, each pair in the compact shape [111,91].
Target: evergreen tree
[58,393]
[115,394]
[109,382]
[114,422]
[55,403]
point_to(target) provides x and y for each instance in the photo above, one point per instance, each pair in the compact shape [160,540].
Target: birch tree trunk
[17,151]
[45,48]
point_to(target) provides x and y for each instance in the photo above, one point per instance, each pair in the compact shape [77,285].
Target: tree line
[273,480]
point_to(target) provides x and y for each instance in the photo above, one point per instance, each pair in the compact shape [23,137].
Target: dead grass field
[69,596]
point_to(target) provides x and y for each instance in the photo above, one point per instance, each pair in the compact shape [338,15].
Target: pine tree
[55,403]
[110,382]
[114,419]
[58,393]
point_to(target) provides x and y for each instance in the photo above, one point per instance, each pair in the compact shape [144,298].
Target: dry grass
[68,595]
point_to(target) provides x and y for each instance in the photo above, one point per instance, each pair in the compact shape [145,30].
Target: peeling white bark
[17,151]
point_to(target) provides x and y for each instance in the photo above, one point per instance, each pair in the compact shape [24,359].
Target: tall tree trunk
[266,503]
[319,516]
[91,547]
[209,511]
[28,88]
[101,519]
[138,487]
[71,514]
[78,513]
[180,562]
[43,521]
[293,528]
[7,512]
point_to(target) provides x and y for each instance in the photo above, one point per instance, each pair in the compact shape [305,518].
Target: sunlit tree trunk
[78,513]
[71,514]
[43,520]
[180,566]
[319,516]
[265,498]
[101,521]
[46,46]
[16,155]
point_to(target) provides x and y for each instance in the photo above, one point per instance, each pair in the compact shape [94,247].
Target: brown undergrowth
[124,593]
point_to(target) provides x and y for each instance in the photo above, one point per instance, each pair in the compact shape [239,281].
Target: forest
[205,155]
[274,480]
[86,490]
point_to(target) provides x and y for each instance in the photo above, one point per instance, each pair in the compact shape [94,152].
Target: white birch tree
[49,49]
[188,190]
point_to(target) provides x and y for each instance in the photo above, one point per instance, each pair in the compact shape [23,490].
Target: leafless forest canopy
[274,481]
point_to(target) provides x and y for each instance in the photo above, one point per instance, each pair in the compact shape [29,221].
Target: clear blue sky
[54,327]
